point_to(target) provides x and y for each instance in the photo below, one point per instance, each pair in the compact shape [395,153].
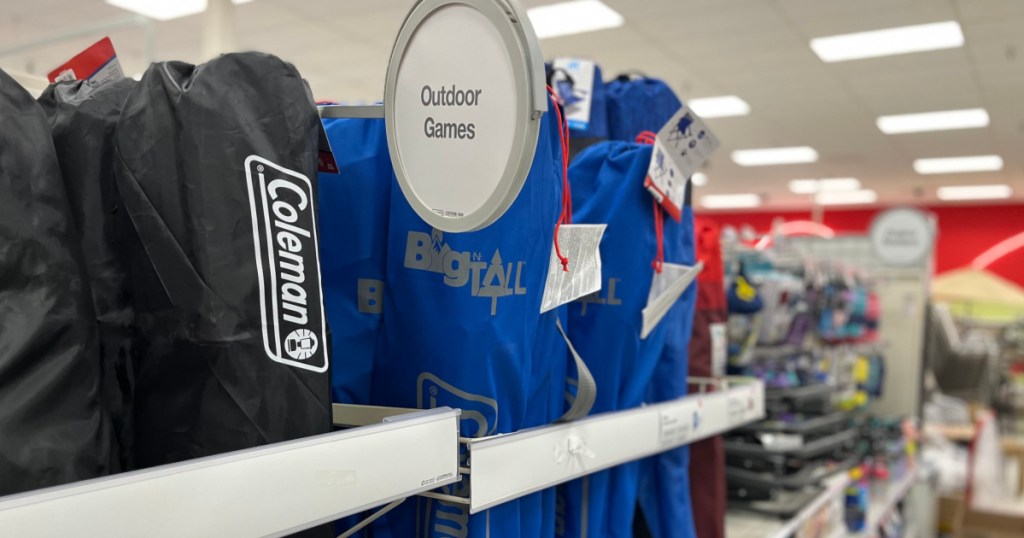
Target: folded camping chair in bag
[665,483]
[217,169]
[82,118]
[637,104]
[53,426]
[607,182]
[462,328]
[353,239]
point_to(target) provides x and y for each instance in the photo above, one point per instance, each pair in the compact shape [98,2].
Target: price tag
[573,81]
[96,64]
[682,146]
[581,244]
[666,287]
[678,424]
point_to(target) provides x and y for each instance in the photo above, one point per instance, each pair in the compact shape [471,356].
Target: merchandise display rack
[882,506]
[391,454]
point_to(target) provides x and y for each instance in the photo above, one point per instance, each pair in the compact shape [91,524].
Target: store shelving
[749,525]
[505,467]
[286,487]
[805,451]
[268,491]
[882,505]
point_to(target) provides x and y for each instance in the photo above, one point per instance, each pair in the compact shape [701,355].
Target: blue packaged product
[607,187]
[353,237]
[462,328]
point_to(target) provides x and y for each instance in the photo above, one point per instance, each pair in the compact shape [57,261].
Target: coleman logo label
[288,265]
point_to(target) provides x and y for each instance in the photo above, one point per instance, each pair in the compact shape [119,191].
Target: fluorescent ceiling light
[934,121]
[730,201]
[975,192]
[574,17]
[719,107]
[163,10]
[803,186]
[864,196]
[902,40]
[951,165]
[769,156]
[699,179]
[814,186]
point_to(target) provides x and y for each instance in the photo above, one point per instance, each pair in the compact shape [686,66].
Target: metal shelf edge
[273,490]
[506,467]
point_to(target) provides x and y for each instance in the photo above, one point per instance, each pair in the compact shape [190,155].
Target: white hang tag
[682,146]
[666,288]
[573,81]
[581,244]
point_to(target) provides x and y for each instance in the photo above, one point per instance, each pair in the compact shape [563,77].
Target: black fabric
[53,429]
[82,118]
[207,381]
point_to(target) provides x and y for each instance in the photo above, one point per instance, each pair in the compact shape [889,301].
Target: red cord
[648,137]
[659,235]
[566,215]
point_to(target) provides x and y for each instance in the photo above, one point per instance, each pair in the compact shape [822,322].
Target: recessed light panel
[730,201]
[864,196]
[719,107]
[975,192]
[577,17]
[953,165]
[773,156]
[888,42]
[971,118]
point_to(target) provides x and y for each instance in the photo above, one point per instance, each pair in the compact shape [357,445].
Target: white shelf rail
[274,490]
[505,467]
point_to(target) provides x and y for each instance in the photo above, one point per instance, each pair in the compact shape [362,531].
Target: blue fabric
[353,233]
[665,480]
[637,105]
[607,187]
[462,328]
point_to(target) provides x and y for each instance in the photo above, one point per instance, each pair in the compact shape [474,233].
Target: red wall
[964,231]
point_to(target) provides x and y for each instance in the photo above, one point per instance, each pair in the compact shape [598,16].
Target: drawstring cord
[566,215]
[648,137]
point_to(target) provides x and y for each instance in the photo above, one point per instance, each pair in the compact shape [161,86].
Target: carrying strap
[586,388]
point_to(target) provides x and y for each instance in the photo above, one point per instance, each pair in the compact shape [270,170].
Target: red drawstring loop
[648,137]
[659,236]
[566,216]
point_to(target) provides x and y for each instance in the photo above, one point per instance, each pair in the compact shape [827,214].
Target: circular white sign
[902,236]
[461,111]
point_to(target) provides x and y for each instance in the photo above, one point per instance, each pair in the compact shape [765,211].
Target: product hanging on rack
[665,497]
[354,202]
[462,328]
[606,327]
[53,425]
[581,88]
[222,193]
[637,104]
[786,320]
[82,118]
